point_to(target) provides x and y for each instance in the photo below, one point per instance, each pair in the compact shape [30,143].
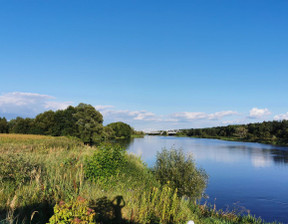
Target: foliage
[44,123]
[89,122]
[3,125]
[180,173]
[63,160]
[108,133]
[21,125]
[83,121]
[73,212]
[121,130]
[271,132]
[108,161]
[136,174]
[65,122]
[162,206]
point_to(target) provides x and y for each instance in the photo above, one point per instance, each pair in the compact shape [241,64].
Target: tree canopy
[121,130]
[89,122]
[271,132]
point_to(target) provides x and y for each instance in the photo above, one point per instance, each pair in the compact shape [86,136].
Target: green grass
[38,172]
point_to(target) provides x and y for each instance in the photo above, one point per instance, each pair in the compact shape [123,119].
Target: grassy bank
[39,172]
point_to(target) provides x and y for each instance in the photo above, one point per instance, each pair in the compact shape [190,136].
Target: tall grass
[37,172]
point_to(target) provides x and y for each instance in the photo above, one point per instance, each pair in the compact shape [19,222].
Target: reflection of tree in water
[124,143]
[280,156]
[109,211]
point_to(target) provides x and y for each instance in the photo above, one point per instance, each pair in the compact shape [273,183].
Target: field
[39,172]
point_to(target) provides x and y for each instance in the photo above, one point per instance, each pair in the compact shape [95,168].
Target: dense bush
[180,173]
[107,161]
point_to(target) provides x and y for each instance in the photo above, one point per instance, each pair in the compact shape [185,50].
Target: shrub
[73,212]
[180,172]
[107,161]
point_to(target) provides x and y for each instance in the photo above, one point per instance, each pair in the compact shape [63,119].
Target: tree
[108,133]
[65,122]
[89,122]
[3,125]
[121,129]
[178,171]
[45,123]
[21,125]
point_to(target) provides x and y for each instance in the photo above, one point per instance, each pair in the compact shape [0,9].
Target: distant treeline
[271,132]
[82,121]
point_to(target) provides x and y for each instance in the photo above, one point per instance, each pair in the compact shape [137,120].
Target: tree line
[270,132]
[82,121]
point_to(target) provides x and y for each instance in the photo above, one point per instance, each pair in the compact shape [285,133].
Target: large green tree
[121,129]
[45,123]
[89,122]
[65,122]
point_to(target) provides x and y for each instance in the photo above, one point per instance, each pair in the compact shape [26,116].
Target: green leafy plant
[162,206]
[173,167]
[108,161]
[73,212]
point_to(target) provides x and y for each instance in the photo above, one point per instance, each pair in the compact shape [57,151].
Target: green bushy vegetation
[50,181]
[82,121]
[121,130]
[269,132]
[180,172]
[77,211]
[107,161]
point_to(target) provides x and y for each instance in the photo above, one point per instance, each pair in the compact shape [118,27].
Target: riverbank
[236,139]
[267,132]
[39,172]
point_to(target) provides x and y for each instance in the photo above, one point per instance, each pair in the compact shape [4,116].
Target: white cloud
[28,104]
[191,116]
[126,115]
[258,113]
[281,116]
[103,107]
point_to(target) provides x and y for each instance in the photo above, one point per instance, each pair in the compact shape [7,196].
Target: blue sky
[152,64]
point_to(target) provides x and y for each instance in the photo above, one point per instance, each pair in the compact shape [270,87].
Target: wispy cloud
[126,115]
[146,120]
[28,104]
[258,113]
[191,116]
[281,116]
[103,107]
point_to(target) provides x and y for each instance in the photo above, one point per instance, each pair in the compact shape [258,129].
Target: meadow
[47,179]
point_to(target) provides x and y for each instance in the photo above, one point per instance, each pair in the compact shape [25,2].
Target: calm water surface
[242,176]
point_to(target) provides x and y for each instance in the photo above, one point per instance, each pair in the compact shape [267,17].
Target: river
[245,177]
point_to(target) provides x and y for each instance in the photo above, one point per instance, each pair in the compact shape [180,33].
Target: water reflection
[254,176]
[260,155]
